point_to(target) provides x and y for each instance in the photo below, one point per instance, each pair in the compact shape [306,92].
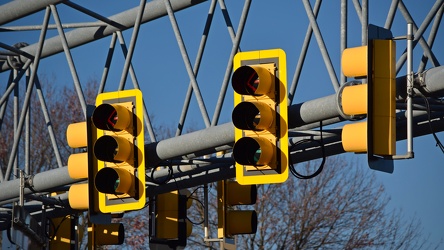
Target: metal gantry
[19,62]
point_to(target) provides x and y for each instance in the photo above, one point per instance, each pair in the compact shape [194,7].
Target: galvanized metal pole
[126,20]
[409,89]
[20,8]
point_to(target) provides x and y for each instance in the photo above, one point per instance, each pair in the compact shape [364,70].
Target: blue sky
[414,186]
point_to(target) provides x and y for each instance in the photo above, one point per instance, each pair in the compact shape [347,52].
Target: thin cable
[429,117]
[165,180]
[321,166]
[202,205]
[198,201]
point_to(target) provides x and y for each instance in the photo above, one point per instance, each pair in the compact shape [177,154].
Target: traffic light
[376,98]
[63,232]
[260,117]
[119,149]
[106,234]
[168,221]
[81,165]
[232,222]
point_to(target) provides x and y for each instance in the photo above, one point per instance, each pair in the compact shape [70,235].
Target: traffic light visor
[252,80]
[241,222]
[112,117]
[253,151]
[113,180]
[109,234]
[252,115]
[112,148]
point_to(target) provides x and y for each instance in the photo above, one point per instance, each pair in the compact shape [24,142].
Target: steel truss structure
[184,152]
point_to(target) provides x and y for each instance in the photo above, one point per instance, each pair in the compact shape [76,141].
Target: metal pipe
[409,89]
[72,67]
[364,22]
[343,43]
[228,70]
[51,26]
[48,122]
[187,63]
[419,32]
[34,68]
[221,137]
[196,67]
[206,220]
[129,56]
[28,134]
[148,124]
[126,19]
[302,55]
[391,15]
[51,179]
[40,182]
[16,80]
[109,58]
[432,36]
[189,144]
[321,44]
[17,9]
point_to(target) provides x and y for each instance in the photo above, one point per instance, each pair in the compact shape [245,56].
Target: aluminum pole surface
[221,137]
[119,22]
[20,8]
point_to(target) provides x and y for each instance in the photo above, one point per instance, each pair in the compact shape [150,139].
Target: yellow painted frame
[264,57]
[126,204]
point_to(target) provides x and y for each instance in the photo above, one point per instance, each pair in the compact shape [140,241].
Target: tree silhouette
[344,207]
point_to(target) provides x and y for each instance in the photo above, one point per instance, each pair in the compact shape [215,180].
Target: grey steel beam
[40,182]
[126,20]
[234,50]
[59,177]
[306,152]
[210,140]
[31,80]
[19,8]
[187,63]
[221,137]
[193,144]
[196,67]
[321,44]
[303,54]
[221,171]
[428,83]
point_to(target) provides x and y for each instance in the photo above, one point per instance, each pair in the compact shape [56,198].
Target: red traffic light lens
[113,117]
[245,81]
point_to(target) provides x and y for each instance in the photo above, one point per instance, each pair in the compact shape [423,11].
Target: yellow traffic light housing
[76,135]
[260,117]
[376,99]
[233,222]
[82,165]
[64,233]
[169,224]
[106,234]
[119,149]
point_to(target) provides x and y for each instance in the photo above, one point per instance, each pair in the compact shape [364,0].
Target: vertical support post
[206,227]
[22,189]
[409,89]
